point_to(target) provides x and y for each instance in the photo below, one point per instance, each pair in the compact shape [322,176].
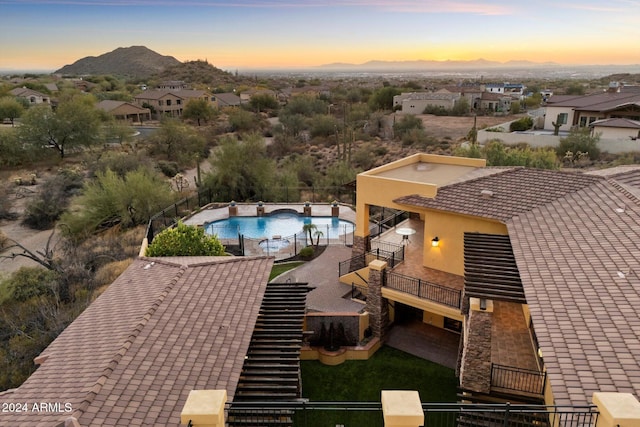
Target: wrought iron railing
[516,379]
[392,257]
[310,414]
[423,289]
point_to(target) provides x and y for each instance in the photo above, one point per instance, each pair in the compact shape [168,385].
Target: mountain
[134,62]
[430,65]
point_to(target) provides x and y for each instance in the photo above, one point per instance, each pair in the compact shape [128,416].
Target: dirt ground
[459,127]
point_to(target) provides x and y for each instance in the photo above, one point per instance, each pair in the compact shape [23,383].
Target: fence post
[402,408]
[506,412]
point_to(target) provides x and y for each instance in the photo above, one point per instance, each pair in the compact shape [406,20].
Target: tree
[382,99]
[263,101]
[111,199]
[406,124]
[74,124]
[198,110]
[185,240]
[308,230]
[179,142]
[10,108]
[461,107]
[241,170]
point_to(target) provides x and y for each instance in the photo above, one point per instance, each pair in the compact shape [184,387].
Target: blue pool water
[279,224]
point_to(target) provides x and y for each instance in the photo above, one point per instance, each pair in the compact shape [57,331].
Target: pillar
[617,409]
[233,209]
[377,306]
[204,408]
[402,408]
[475,372]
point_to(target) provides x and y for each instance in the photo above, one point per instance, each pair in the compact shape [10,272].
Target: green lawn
[388,369]
[278,269]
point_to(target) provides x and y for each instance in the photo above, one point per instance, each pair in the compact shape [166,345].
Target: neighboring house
[514,90]
[164,327]
[125,111]
[581,111]
[222,100]
[173,85]
[171,102]
[538,272]
[312,91]
[245,97]
[33,97]
[494,102]
[51,87]
[616,129]
[417,102]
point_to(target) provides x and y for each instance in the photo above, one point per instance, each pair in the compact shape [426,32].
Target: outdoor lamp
[435,242]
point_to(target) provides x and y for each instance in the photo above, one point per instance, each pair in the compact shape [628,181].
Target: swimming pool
[278,224]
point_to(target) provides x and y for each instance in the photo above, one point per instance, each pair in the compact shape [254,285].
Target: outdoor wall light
[435,242]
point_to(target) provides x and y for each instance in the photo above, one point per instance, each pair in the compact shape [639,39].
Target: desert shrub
[7,204]
[4,240]
[106,274]
[364,157]
[436,110]
[52,200]
[497,154]
[118,162]
[522,124]
[414,138]
[307,252]
[184,240]
[406,124]
[577,144]
[29,282]
[495,129]
[168,169]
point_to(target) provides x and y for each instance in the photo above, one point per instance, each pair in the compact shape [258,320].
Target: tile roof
[578,260]
[576,242]
[163,328]
[513,191]
[596,102]
[617,123]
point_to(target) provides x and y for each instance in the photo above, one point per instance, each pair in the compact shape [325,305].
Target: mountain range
[432,65]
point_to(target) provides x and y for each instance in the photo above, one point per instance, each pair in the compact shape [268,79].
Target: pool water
[279,224]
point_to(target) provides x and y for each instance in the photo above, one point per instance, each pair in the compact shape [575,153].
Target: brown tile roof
[578,258]
[162,329]
[596,102]
[514,191]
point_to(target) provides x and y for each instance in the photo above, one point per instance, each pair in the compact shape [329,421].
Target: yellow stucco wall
[450,229]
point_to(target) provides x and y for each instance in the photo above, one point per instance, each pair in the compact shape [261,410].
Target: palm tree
[308,229]
[318,235]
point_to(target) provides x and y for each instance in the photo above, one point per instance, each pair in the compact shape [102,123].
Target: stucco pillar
[377,306]
[233,209]
[402,408]
[204,408]
[617,409]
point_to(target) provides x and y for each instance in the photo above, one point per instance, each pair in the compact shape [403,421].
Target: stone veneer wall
[377,306]
[476,363]
[360,245]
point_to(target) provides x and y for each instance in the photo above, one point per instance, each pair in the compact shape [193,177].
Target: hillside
[133,62]
[195,73]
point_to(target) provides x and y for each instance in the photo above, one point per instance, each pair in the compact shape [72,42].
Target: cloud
[487,7]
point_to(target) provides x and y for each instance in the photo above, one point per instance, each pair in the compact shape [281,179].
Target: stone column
[377,306]
[360,245]
[306,210]
[617,409]
[204,408]
[233,210]
[475,372]
[402,408]
[260,210]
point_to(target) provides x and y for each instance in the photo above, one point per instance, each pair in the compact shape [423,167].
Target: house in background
[126,111]
[33,97]
[222,100]
[535,271]
[170,102]
[417,102]
[582,111]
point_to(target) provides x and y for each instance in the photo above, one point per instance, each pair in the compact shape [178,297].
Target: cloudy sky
[243,34]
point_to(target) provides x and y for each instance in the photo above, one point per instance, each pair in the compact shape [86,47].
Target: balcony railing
[311,414]
[423,289]
[516,379]
[392,254]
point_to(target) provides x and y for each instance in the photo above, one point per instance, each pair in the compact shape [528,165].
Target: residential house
[417,102]
[514,90]
[173,85]
[245,97]
[580,111]
[222,100]
[126,111]
[33,97]
[536,270]
[163,328]
[617,128]
[495,102]
[170,102]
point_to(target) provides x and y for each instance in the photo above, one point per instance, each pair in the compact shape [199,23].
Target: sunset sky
[245,34]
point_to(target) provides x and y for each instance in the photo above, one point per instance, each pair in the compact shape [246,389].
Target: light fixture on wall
[435,242]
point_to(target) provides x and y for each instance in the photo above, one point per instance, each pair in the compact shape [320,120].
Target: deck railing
[423,289]
[310,414]
[393,255]
[516,379]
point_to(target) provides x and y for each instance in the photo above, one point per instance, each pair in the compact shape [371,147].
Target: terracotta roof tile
[513,191]
[162,329]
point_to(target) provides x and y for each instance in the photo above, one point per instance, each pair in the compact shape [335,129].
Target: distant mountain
[431,65]
[134,62]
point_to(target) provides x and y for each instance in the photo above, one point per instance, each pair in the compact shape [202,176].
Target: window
[168,102]
[583,122]
[160,102]
[562,118]
[178,101]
